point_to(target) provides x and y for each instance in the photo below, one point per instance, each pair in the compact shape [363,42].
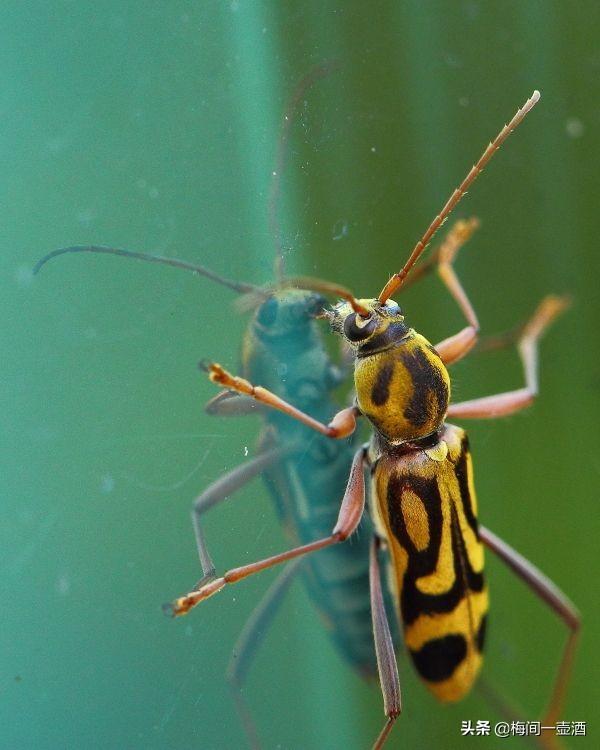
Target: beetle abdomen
[426,509]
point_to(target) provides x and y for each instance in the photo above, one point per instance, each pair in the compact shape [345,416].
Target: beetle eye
[357,328]
[267,312]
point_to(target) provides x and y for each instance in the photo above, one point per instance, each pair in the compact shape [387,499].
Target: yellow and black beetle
[422,498]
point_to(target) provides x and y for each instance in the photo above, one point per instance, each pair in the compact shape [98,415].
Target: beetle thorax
[404,390]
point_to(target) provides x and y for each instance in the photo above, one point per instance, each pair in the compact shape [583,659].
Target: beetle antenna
[291,111]
[237,286]
[397,279]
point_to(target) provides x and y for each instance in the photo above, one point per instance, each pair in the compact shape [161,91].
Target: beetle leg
[249,641]
[384,649]
[220,490]
[502,404]
[349,517]
[455,347]
[216,493]
[342,424]
[460,233]
[558,603]
[510,712]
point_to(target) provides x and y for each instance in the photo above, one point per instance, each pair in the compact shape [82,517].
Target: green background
[154,126]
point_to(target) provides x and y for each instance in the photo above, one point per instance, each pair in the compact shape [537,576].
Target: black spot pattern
[439,657]
[414,602]
[465,494]
[428,384]
[480,638]
[381,389]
